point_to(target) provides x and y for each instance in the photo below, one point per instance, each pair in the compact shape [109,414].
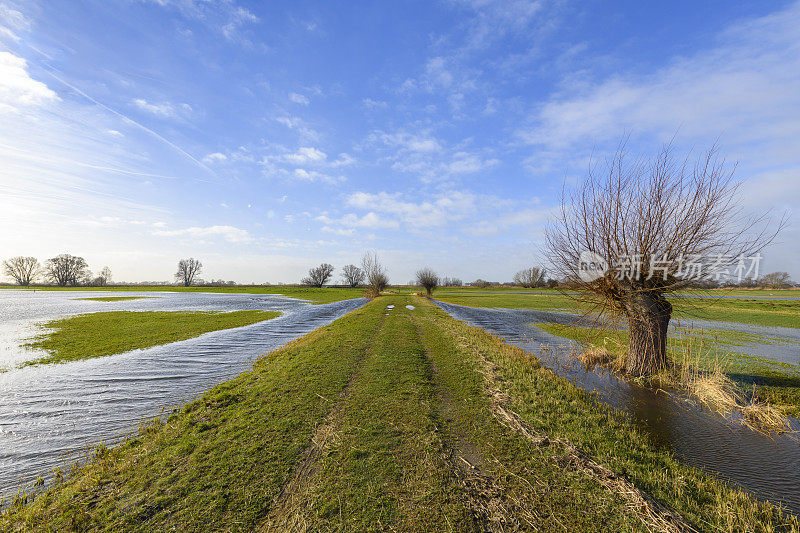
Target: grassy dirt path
[391,420]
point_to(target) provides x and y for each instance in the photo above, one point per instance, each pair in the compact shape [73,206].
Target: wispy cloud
[229,233]
[12,22]
[226,17]
[298,98]
[745,88]
[163,109]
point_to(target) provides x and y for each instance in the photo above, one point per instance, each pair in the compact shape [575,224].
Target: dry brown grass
[764,418]
[716,391]
[596,355]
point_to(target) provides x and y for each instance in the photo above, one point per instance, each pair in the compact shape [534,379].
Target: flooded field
[767,467]
[49,412]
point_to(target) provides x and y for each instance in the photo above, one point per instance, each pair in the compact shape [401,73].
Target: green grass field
[757,312]
[113,332]
[777,383]
[312,294]
[384,422]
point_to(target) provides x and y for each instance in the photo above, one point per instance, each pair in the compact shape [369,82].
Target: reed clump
[702,373]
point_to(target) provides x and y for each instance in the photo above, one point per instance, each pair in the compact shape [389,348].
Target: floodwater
[767,467]
[50,412]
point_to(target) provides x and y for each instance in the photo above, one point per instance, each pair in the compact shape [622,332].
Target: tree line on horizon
[66,270]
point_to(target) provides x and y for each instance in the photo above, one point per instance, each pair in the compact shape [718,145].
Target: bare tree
[625,237]
[776,280]
[66,269]
[375,272]
[317,276]
[428,279]
[104,277]
[188,269]
[23,270]
[352,276]
[531,277]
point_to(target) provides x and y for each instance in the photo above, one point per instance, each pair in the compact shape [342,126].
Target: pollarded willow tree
[428,279]
[636,230]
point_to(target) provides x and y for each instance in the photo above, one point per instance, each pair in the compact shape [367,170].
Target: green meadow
[108,333]
[401,420]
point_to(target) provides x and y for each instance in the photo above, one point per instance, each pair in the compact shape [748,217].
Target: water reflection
[48,411]
[767,467]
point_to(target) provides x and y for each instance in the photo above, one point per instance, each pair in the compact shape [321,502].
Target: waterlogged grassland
[312,294]
[704,305]
[770,381]
[113,332]
[367,424]
[114,298]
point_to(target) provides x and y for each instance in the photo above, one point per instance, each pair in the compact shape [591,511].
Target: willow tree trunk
[648,320]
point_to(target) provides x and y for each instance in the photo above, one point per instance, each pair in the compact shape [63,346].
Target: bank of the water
[384,420]
[113,332]
[49,413]
[773,382]
[316,295]
[764,465]
[717,306]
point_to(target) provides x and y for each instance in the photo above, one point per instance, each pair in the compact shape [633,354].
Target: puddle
[769,468]
[410,307]
[50,411]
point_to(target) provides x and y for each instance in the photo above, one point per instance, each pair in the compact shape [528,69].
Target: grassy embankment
[108,333]
[312,294]
[384,423]
[772,382]
[784,313]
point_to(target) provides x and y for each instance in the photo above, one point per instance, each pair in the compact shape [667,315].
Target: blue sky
[264,138]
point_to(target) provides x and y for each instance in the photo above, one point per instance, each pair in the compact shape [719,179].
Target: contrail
[166,141]
[130,120]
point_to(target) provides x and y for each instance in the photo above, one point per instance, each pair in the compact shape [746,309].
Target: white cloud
[370,220]
[305,155]
[229,233]
[422,142]
[115,133]
[18,90]
[225,17]
[216,157]
[746,88]
[369,103]
[295,123]
[338,231]
[12,22]
[467,163]
[446,208]
[239,17]
[164,109]
[298,98]
[313,175]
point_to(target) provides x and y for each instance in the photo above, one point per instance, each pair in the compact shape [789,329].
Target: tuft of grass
[108,333]
[703,371]
[596,355]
